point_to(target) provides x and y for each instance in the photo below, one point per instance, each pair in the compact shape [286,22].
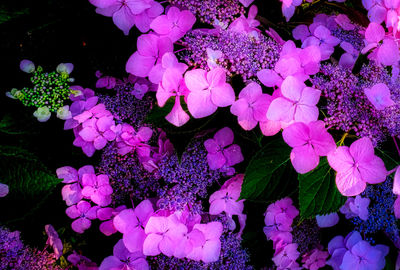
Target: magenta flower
[251,107]
[131,224]
[246,25]
[288,8]
[364,256]
[286,258]
[396,181]
[106,215]
[54,241]
[209,91]
[168,61]
[123,259]
[315,259]
[225,199]
[355,166]
[150,50]
[385,49]
[379,96]
[83,213]
[72,193]
[129,140]
[211,249]
[97,188]
[163,235]
[321,37]
[221,151]
[171,85]
[81,262]
[309,142]
[174,24]
[127,13]
[298,102]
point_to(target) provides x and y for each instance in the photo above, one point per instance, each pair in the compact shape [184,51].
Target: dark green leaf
[388,159]
[7,15]
[8,125]
[264,170]
[318,194]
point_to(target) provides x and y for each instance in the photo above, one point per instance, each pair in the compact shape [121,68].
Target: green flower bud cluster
[49,90]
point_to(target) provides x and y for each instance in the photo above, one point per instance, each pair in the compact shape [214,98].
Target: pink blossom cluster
[315,259]
[319,33]
[278,226]
[222,153]
[84,184]
[226,200]
[127,13]
[172,233]
[291,101]
[356,166]
[351,252]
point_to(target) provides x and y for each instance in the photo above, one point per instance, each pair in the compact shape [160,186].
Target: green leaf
[387,158]
[7,15]
[264,171]
[318,194]
[9,125]
[157,114]
[26,176]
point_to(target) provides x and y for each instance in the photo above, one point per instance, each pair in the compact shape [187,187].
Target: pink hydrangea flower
[225,199]
[174,24]
[385,49]
[286,257]
[309,142]
[163,235]
[150,50]
[379,96]
[322,37]
[53,240]
[247,25]
[251,107]
[315,259]
[298,102]
[129,140]
[168,61]
[72,193]
[131,223]
[221,152]
[208,91]
[210,250]
[127,13]
[83,213]
[171,85]
[355,166]
[106,215]
[97,188]
[124,259]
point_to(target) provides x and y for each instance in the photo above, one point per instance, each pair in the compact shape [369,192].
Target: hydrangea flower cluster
[16,255]
[49,91]
[353,252]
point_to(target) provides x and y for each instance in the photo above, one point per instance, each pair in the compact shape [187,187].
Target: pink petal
[83,206]
[310,96]
[388,52]
[123,19]
[304,158]
[306,114]
[269,77]
[281,109]
[240,107]
[217,207]
[199,103]
[379,96]
[260,107]
[373,171]
[161,25]
[139,65]
[211,251]
[396,207]
[68,174]
[107,228]
[99,143]
[211,146]
[178,117]
[233,155]
[301,32]
[196,80]
[291,88]
[340,159]
[246,119]
[81,224]
[125,220]
[377,14]
[270,127]
[216,161]
[186,20]
[297,134]
[223,95]
[396,182]
[72,212]
[134,239]
[349,182]
[234,208]
[71,194]
[150,245]
[87,191]
[224,137]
